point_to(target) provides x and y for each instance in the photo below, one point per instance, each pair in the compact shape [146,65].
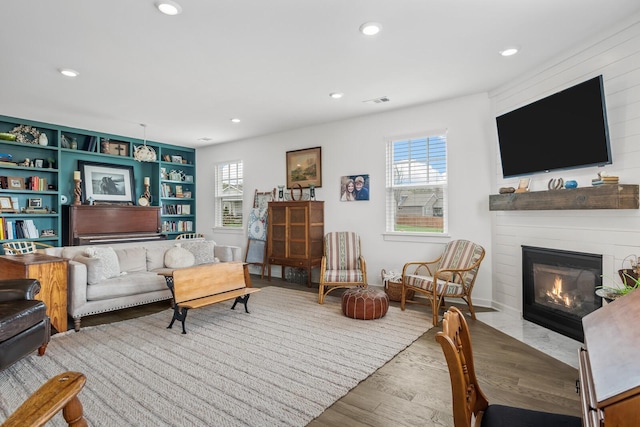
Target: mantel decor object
[26,134]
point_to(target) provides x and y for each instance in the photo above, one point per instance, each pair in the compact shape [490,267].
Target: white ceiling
[271,63]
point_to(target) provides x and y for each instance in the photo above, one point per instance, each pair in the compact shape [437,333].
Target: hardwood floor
[413,388]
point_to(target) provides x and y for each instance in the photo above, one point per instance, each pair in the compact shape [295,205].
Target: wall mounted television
[566,130]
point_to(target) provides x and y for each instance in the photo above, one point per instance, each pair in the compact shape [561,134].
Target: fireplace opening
[559,288]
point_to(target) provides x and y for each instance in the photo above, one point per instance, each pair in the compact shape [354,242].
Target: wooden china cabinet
[295,236]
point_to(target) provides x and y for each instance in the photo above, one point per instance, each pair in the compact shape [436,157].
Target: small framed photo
[176,159]
[186,194]
[39,163]
[6,205]
[15,183]
[188,178]
[35,203]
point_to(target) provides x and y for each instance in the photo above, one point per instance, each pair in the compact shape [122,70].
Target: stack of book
[605,180]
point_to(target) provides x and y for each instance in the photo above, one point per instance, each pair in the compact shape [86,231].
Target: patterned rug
[281,365]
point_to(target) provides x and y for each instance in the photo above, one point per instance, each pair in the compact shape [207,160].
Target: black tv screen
[566,130]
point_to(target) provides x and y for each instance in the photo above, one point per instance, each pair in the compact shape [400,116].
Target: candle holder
[146,194]
[312,191]
[78,192]
[280,193]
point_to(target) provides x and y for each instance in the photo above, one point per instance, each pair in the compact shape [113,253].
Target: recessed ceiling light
[205,139]
[68,72]
[336,95]
[168,7]
[509,51]
[235,120]
[370,28]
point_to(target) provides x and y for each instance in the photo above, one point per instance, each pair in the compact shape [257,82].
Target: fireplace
[559,288]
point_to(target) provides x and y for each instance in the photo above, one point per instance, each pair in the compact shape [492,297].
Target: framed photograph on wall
[106,182]
[354,188]
[304,167]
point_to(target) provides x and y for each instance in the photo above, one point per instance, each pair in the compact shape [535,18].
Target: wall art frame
[107,183]
[304,167]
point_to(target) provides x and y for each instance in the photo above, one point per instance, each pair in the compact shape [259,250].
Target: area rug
[281,365]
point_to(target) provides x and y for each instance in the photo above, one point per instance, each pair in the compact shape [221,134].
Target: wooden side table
[51,271]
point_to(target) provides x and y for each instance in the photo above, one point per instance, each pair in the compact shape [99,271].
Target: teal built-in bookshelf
[37,176]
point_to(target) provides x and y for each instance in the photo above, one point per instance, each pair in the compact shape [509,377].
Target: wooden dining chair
[59,393]
[470,405]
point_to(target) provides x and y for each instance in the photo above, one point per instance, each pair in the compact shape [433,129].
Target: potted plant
[630,278]
[52,162]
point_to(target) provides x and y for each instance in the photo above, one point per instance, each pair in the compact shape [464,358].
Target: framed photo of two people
[354,188]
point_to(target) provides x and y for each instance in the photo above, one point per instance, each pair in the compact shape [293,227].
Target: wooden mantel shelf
[608,196]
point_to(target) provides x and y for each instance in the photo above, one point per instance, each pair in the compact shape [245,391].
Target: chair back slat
[342,249]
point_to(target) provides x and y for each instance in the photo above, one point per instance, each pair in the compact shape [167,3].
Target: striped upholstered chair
[343,265]
[454,274]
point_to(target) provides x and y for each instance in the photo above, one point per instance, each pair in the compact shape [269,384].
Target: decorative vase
[43,140]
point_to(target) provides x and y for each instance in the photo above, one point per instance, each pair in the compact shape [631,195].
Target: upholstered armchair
[343,265]
[451,275]
[24,324]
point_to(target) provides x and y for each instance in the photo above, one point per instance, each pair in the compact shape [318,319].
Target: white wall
[357,146]
[612,233]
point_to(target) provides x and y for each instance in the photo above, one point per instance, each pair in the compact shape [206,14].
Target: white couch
[100,281]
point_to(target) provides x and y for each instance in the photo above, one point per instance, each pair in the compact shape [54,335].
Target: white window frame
[436,177]
[228,175]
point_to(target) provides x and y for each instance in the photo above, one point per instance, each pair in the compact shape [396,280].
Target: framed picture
[35,203]
[6,205]
[354,188]
[304,167]
[39,163]
[118,148]
[106,182]
[15,183]
[176,159]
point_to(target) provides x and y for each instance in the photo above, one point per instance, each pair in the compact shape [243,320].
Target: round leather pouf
[364,303]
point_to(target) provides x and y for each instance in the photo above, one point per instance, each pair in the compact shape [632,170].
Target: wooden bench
[206,284]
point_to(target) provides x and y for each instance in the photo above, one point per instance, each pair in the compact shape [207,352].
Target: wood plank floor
[413,388]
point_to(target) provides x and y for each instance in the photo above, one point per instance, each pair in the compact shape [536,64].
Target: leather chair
[24,324]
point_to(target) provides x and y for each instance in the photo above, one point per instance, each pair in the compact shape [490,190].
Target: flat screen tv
[566,130]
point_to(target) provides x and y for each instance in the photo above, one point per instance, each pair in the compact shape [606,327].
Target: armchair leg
[321,294]
[473,312]
[42,349]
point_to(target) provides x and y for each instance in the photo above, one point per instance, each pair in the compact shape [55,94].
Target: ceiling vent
[377,100]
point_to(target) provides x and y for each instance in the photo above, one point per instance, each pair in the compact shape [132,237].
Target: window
[417,185]
[228,195]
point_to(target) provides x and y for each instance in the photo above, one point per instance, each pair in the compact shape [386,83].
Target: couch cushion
[132,259]
[178,257]
[19,315]
[110,263]
[155,257]
[202,251]
[130,284]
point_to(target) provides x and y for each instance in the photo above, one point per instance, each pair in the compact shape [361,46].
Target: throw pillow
[95,272]
[178,257]
[202,251]
[110,264]
[132,259]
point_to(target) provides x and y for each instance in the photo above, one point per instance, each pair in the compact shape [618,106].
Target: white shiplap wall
[612,233]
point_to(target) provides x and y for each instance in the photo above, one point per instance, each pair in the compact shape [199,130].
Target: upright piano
[610,364]
[104,224]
